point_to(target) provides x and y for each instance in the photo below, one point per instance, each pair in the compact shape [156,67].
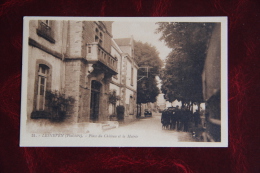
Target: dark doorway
[95,97]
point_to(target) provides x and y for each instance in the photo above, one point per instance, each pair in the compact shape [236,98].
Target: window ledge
[45,35]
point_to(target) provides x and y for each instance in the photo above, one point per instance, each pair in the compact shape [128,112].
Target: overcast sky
[143,31]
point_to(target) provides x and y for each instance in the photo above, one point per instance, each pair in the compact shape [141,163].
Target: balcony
[45,31]
[95,53]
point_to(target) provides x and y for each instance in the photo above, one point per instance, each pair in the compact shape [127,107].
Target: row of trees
[181,76]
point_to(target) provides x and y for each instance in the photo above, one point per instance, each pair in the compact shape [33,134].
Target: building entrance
[95,99]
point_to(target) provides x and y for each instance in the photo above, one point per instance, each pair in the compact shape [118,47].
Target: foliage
[181,77]
[147,90]
[146,55]
[40,115]
[113,98]
[58,103]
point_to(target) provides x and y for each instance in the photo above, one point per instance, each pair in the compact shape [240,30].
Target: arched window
[43,72]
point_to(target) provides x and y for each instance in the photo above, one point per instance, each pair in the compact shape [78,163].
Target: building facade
[125,83]
[81,60]
[211,80]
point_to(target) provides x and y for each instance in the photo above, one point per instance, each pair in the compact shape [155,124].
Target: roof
[123,41]
[116,46]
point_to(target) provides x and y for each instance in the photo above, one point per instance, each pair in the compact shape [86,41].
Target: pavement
[149,127]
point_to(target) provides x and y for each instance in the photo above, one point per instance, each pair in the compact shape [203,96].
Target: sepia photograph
[124,82]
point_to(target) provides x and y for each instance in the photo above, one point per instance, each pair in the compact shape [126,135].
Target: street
[150,127]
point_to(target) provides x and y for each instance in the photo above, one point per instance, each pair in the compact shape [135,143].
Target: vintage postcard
[124,82]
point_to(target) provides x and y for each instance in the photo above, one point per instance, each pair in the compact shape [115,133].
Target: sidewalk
[127,121]
[197,132]
[46,126]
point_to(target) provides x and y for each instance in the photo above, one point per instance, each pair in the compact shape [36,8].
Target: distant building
[128,74]
[161,102]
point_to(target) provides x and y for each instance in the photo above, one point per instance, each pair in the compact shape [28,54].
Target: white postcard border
[26,139]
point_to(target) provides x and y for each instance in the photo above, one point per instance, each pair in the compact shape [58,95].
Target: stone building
[81,60]
[125,83]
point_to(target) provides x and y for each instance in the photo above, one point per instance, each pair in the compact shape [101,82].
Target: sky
[141,31]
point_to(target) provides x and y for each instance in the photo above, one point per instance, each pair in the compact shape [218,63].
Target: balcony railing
[45,31]
[96,53]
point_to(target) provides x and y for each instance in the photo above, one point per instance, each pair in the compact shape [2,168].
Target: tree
[146,55]
[58,104]
[147,90]
[112,99]
[181,76]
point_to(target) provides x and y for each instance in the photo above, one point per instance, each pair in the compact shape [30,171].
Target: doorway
[95,99]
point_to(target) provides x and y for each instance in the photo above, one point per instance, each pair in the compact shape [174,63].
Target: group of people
[179,119]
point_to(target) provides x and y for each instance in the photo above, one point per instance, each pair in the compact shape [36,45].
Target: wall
[72,82]
[38,56]
[57,28]
[211,74]
[70,71]
[116,79]
[89,34]
[75,39]
[85,93]
[130,92]
[126,49]
[115,52]
[57,81]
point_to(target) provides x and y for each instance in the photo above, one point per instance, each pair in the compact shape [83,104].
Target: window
[41,86]
[89,49]
[96,39]
[44,30]
[98,36]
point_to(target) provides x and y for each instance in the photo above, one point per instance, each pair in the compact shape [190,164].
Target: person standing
[180,119]
[196,116]
[186,118]
[165,119]
[174,117]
